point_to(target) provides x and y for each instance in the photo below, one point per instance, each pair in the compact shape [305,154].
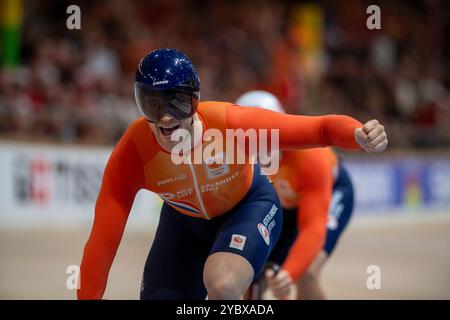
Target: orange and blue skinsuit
[200,192]
[317,199]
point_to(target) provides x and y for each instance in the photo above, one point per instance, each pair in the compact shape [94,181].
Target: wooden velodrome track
[411,250]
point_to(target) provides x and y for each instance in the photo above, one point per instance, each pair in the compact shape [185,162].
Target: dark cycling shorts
[174,266]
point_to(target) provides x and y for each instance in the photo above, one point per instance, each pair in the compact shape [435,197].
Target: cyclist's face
[167,126]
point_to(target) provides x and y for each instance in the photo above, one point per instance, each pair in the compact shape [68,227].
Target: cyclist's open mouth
[168,130]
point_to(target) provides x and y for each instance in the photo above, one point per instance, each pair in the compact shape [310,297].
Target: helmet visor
[153,105]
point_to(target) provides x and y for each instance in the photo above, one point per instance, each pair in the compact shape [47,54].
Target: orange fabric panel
[122,178]
[298,131]
[309,174]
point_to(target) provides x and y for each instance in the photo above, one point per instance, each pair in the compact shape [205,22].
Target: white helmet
[262,99]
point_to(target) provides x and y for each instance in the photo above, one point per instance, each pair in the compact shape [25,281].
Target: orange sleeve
[316,183]
[298,131]
[122,178]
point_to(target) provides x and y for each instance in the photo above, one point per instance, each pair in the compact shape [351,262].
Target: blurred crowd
[77,85]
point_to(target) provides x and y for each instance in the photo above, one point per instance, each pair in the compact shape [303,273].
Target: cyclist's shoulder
[139,136]
[213,113]
[310,162]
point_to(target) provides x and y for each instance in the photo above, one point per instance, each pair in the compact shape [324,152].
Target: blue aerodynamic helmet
[166,82]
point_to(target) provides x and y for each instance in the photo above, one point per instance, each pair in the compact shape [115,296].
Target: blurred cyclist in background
[220,220]
[316,195]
